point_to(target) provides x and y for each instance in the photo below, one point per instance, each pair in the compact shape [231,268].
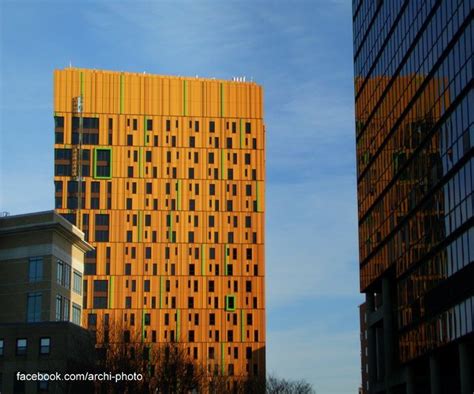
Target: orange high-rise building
[172,199]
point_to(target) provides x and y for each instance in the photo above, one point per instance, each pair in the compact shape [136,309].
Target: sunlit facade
[415,169]
[172,198]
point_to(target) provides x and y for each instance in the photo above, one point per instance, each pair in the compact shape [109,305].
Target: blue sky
[301,52]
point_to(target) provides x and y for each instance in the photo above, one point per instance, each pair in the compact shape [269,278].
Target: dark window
[149,124]
[211,158]
[249,253]
[21,346]
[91,320]
[229,143]
[45,345]
[247,158]
[148,155]
[102,227]
[248,286]
[102,163]
[192,142]
[248,127]
[100,294]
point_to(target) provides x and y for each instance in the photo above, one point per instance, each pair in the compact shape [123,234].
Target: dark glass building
[414,100]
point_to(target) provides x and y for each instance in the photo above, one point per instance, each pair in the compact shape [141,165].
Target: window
[76,314]
[45,346]
[146,285]
[247,158]
[100,294]
[212,126]
[230,303]
[2,347]
[63,274]
[248,286]
[128,302]
[249,254]
[103,163]
[248,128]
[149,124]
[147,319]
[59,272]
[102,227]
[211,353]
[21,346]
[33,313]
[248,190]
[212,319]
[43,385]
[248,222]
[249,319]
[77,282]
[35,270]
[91,320]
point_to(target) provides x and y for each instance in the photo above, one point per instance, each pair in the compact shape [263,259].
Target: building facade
[41,268]
[165,176]
[413,63]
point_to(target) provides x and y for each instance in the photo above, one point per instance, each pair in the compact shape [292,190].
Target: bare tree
[276,385]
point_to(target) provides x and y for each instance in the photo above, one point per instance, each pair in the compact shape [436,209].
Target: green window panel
[223,358]
[230,302]
[185,98]
[111,301]
[103,163]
